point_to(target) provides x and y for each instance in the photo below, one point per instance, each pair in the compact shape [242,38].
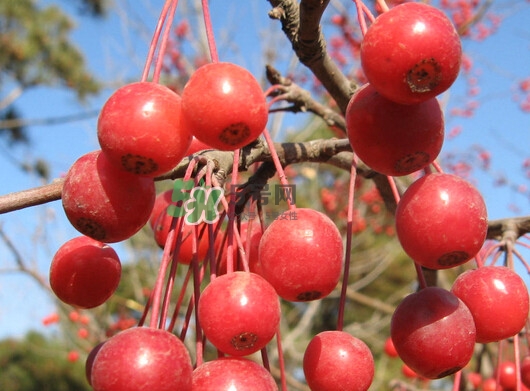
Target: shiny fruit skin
[223,106]
[337,361]
[302,257]
[441,221]
[139,129]
[232,374]
[142,359]
[391,138]
[433,332]
[239,313]
[103,201]
[411,53]
[84,272]
[497,298]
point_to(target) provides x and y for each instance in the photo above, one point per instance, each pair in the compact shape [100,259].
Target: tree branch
[301,25]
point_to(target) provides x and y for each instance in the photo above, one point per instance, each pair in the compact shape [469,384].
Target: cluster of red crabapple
[409,54]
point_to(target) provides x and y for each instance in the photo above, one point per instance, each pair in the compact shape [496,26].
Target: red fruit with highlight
[139,129]
[223,106]
[433,332]
[232,374]
[84,272]
[441,221]
[411,53]
[239,313]
[337,361]
[498,300]
[392,138]
[103,201]
[309,266]
[140,359]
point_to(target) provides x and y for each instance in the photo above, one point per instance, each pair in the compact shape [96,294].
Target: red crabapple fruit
[497,298]
[223,106]
[84,272]
[392,138]
[239,313]
[302,257]
[139,129]
[103,201]
[337,361]
[411,53]
[232,374]
[507,375]
[140,359]
[525,371]
[441,221]
[433,332]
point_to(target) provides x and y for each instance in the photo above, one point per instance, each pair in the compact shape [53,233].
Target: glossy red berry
[441,221]
[140,359]
[433,332]
[391,138]
[84,272]
[498,299]
[308,267]
[411,53]
[139,129]
[390,349]
[223,106]
[507,375]
[232,374]
[239,313]
[104,202]
[335,361]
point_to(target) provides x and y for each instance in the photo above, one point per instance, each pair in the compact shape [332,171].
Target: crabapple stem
[156,37]
[209,31]
[421,277]
[349,233]
[163,45]
[382,4]
[281,361]
[457,380]
[362,12]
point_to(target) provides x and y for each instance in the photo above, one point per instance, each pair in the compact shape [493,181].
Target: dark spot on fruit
[138,164]
[424,76]
[448,372]
[235,134]
[412,162]
[453,258]
[91,228]
[244,340]
[308,296]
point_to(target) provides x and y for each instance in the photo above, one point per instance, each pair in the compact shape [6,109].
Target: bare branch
[301,24]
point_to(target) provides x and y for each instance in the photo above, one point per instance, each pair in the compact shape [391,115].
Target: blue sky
[116,48]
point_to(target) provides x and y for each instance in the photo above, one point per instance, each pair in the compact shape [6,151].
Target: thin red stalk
[180,299]
[437,167]
[231,216]
[521,258]
[517,359]
[278,166]
[349,234]
[154,40]
[164,264]
[209,31]
[281,360]
[197,279]
[382,4]
[457,380]
[394,189]
[163,44]
[360,15]
[421,276]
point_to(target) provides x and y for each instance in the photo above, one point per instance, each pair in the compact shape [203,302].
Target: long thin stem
[209,31]
[349,233]
[154,41]
[163,45]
